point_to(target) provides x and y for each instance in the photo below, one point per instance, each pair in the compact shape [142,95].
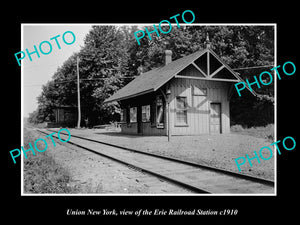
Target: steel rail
[230,173]
[176,182]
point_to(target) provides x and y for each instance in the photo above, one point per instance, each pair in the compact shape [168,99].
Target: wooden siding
[147,129]
[198,114]
[129,129]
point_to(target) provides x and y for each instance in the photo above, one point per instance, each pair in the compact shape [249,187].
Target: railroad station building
[188,96]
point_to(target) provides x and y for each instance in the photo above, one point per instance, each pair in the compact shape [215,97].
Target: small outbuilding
[188,96]
[65,116]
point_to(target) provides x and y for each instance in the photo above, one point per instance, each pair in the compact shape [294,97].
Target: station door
[215,118]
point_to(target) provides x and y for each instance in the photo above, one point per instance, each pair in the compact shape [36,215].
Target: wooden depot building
[188,96]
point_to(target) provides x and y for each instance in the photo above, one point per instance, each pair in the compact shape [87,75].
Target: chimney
[207,42]
[168,58]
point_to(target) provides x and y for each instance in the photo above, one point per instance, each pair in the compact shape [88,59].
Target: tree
[238,46]
[111,57]
[102,61]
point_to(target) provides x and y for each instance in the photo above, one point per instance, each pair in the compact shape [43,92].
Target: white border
[145,24]
[22,112]
[275,108]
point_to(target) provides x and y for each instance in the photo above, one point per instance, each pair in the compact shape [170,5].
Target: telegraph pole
[78,94]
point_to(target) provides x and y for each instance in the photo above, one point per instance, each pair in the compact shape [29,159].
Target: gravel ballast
[218,151]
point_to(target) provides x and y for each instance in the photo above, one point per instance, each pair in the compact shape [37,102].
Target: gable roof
[152,80]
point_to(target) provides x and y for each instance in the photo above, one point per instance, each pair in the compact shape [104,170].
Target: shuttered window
[133,114]
[181,110]
[159,112]
[123,116]
[145,113]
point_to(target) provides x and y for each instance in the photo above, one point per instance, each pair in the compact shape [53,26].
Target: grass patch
[266,132]
[41,173]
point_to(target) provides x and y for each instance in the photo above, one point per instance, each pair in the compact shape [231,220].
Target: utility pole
[78,95]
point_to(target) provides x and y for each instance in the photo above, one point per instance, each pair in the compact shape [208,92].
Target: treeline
[111,57]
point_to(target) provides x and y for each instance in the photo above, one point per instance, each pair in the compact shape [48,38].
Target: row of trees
[111,57]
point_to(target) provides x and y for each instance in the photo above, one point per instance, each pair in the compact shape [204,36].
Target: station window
[133,113]
[145,113]
[181,110]
[123,116]
[159,112]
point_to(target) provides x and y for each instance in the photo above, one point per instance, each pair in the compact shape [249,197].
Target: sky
[37,72]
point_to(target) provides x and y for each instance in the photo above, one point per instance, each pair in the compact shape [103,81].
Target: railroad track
[194,177]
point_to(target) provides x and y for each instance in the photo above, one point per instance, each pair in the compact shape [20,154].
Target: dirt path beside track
[218,151]
[93,174]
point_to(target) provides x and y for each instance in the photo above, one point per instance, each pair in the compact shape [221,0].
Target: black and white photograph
[165,114]
[144,114]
